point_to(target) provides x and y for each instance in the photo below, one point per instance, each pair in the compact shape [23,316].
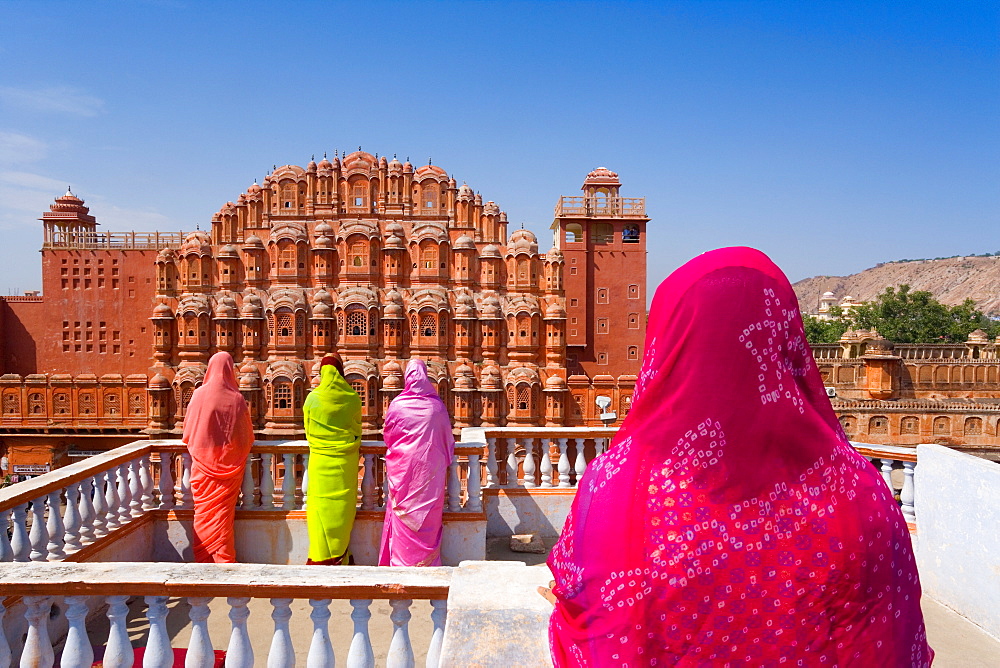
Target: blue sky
[831,135]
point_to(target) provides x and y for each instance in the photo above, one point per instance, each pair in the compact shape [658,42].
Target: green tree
[905,316]
[825,331]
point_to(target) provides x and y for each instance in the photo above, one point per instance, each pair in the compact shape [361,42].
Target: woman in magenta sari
[218,434]
[731,522]
[419,448]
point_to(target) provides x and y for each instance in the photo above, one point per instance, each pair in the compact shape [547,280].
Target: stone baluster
[77,652]
[20,542]
[6,551]
[111,501]
[546,467]
[360,655]
[288,482]
[906,495]
[385,486]
[247,500]
[454,486]
[581,460]
[304,491]
[124,494]
[167,480]
[4,646]
[266,481]
[887,473]
[87,513]
[118,653]
[491,463]
[474,492]
[282,653]
[320,648]
[72,522]
[512,462]
[133,473]
[529,463]
[187,500]
[400,651]
[439,614]
[146,481]
[368,482]
[200,653]
[240,652]
[564,468]
[37,652]
[600,445]
[55,527]
[158,652]
[39,535]
[101,515]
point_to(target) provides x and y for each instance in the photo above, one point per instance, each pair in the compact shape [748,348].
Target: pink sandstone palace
[371,257]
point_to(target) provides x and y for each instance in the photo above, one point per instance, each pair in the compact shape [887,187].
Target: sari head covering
[332,415]
[335,360]
[218,434]
[731,522]
[419,448]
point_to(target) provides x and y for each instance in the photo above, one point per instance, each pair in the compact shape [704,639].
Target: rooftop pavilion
[98,559]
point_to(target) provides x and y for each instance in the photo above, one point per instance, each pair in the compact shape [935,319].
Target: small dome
[323,229]
[250,310]
[393,382]
[490,379]
[359,160]
[465,242]
[555,383]
[225,308]
[523,240]
[159,382]
[254,188]
[392,367]
[828,295]
[325,165]
[555,310]
[249,377]
[394,243]
[490,251]
[392,311]
[394,228]
[602,176]
[430,170]
[197,241]
[163,311]
[407,167]
[465,193]
[253,241]
[491,208]
[322,295]
[323,242]
[165,256]
[554,255]
[465,378]
[321,310]
[229,250]
[395,166]
[311,167]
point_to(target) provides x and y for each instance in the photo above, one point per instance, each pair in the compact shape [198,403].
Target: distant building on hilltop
[370,257]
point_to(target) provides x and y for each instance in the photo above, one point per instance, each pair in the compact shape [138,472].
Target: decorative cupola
[159,403]
[68,222]
[163,334]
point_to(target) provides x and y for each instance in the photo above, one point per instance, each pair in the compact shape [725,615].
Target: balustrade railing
[889,459]
[51,517]
[80,587]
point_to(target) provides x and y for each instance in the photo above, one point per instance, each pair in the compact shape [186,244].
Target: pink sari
[419,448]
[218,434]
[731,523]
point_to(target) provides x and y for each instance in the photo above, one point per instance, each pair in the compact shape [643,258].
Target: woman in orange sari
[218,434]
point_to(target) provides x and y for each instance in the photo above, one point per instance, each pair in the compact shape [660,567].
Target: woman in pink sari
[731,523]
[419,447]
[218,434]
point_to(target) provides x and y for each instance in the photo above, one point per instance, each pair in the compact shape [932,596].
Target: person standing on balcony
[332,414]
[218,434]
[731,522]
[419,448]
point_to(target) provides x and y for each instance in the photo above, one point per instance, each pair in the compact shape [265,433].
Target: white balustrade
[187,500]
[167,491]
[320,648]
[360,655]
[111,500]
[118,653]
[511,462]
[906,495]
[4,646]
[55,527]
[288,482]
[529,463]
[385,486]
[546,465]
[439,615]
[20,542]
[400,651]
[87,513]
[77,652]
[248,488]
[124,495]
[37,652]
[100,500]
[135,488]
[368,482]
[39,535]
[266,481]
[6,550]
[564,468]
[491,463]
[281,653]
[887,473]
[305,481]
[581,462]
[454,486]
[474,499]
[200,653]
[146,481]
[158,653]
[73,519]
[239,653]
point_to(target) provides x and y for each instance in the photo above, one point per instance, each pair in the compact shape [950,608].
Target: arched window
[909,425]
[413,325]
[879,424]
[633,352]
[428,325]
[36,403]
[523,398]
[942,425]
[630,234]
[973,426]
[358,254]
[604,233]
[574,233]
[60,403]
[282,395]
[356,322]
[360,386]
[430,198]
[428,257]
[847,422]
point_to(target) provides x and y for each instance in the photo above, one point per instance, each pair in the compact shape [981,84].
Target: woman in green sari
[332,413]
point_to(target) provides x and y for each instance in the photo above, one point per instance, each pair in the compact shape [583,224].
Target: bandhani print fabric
[731,523]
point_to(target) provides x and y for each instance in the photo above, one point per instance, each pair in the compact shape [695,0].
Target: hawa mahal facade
[370,257]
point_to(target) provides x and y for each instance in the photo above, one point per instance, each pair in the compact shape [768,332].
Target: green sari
[332,414]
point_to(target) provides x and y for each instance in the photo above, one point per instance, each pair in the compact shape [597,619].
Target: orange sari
[218,434]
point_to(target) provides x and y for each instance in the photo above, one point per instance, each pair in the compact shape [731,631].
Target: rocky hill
[951,280]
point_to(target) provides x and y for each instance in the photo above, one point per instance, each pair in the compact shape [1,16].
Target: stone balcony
[96,551]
